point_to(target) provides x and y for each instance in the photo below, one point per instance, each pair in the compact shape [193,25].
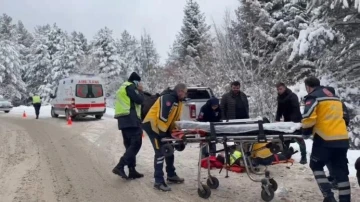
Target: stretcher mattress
[281,127]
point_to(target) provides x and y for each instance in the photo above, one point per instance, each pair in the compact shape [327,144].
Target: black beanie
[134,77]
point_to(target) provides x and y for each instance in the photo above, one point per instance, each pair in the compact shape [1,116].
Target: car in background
[5,105]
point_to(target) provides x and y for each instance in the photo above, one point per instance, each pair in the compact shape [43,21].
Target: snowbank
[45,111]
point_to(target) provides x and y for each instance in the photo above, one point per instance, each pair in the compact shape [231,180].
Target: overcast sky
[162,19]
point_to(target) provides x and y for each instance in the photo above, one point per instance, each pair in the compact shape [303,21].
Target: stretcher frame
[243,140]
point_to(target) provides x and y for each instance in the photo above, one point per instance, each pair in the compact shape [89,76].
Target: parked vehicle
[79,96]
[196,98]
[5,105]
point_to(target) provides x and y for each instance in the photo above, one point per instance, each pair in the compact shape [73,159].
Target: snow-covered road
[46,160]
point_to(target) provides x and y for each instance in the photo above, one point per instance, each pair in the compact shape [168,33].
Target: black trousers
[159,157]
[337,157]
[37,107]
[132,138]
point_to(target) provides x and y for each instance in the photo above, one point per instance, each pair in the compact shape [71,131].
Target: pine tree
[105,59]
[194,40]
[149,58]
[129,51]
[11,83]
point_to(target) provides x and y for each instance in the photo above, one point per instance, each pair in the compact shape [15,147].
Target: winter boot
[329,199]
[119,169]
[303,160]
[37,116]
[162,186]
[175,179]
[133,174]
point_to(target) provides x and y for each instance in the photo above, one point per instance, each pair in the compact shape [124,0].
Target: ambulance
[79,96]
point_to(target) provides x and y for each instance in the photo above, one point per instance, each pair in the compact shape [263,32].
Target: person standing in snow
[346,118]
[323,118]
[210,112]
[128,102]
[36,102]
[158,123]
[288,107]
[234,104]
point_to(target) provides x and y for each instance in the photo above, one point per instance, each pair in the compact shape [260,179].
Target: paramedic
[234,104]
[36,102]
[346,118]
[323,118]
[288,106]
[210,112]
[128,102]
[158,123]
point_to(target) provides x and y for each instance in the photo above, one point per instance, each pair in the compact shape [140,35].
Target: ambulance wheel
[53,114]
[205,192]
[98,116]
[180,147]
[274,184]
[212,182]
[167,150]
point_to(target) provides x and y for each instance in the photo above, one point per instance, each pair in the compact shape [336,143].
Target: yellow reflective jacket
[323,118]
[165,111]
[263,153]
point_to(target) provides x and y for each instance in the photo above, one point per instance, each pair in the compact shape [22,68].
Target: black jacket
[288,107]
[229,108]
[131,120]
[207,114]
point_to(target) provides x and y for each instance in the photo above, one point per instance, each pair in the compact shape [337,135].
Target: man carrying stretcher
[159,123]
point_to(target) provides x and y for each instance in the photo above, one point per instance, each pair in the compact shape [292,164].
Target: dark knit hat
[134,77]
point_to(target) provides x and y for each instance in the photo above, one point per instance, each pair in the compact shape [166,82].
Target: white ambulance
[79,96]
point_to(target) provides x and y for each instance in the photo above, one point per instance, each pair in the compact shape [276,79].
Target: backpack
[149,101]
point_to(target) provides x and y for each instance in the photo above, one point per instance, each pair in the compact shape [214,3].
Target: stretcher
[241,134]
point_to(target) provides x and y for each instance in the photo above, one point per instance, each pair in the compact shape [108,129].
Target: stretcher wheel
[180,147]
[204,193]
[274,184]
[265,196]
[167,150]
[212,182]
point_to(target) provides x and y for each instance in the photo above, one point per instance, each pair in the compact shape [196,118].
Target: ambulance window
[97,90]
[82,90]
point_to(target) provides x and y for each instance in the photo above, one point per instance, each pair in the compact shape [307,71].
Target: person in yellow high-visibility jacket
[36,102]
[128,102]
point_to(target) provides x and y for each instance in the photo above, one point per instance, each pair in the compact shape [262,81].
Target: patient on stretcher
[260,155]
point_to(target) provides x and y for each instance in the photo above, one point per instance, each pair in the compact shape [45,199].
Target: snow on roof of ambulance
[83,75]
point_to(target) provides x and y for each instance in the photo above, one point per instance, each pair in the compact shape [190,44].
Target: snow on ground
[45,113]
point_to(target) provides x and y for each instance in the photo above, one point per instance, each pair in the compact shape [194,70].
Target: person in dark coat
[289,109]
[210,112]
[346,118]
[234,104]
[129,99]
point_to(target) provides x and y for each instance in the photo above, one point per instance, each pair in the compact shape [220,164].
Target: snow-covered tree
[194,41]
[7,28]
[105,59]
[129,50]
[11,83]
[149,58]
